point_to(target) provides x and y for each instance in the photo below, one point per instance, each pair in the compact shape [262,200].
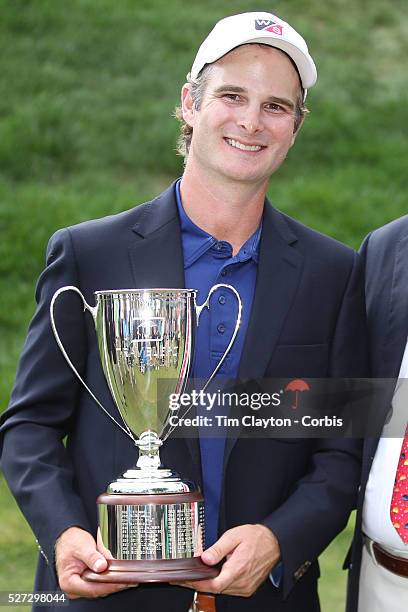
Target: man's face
[244,127]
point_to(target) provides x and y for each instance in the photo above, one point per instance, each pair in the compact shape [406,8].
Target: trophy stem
[149,456]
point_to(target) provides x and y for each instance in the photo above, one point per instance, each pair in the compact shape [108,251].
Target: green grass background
[87,90]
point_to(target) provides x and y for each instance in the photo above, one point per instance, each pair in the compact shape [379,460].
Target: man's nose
[250,119]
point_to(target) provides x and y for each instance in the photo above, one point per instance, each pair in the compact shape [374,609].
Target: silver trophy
[151,521]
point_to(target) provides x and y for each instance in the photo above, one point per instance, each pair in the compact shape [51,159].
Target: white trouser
[381,590]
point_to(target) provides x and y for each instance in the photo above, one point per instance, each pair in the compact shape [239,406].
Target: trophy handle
[93,310]
[206,304]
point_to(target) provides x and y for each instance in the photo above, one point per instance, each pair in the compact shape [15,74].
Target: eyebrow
[237,89]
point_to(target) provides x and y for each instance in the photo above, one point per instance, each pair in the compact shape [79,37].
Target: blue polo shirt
[208,261]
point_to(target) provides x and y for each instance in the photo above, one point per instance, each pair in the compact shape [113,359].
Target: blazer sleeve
[320,503]
[42,405]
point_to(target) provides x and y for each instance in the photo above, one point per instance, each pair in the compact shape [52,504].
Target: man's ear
[187,104]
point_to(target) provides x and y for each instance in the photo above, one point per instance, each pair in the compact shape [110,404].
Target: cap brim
[304,62]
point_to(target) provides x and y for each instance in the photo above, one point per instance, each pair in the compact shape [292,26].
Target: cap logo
[269,26]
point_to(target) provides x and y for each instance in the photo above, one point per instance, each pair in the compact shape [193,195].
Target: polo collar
[196,241]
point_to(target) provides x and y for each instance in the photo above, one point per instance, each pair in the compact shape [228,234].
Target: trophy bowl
[151,520]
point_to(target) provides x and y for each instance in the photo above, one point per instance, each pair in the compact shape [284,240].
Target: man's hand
[75,551]
[251,552]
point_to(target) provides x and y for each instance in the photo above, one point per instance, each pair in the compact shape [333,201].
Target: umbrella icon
[297,385]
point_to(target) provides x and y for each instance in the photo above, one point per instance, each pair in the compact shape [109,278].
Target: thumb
[92,557]
[224,546]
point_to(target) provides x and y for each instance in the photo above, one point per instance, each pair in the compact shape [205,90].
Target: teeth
[239,145]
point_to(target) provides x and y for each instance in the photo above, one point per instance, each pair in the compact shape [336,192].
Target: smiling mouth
[238,145]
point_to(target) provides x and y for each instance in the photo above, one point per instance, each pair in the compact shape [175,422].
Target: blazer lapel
[395,336]
[279,271]
[156,256]
[387,359]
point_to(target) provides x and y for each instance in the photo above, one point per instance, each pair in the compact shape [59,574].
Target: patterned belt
[394,564]
[203,602]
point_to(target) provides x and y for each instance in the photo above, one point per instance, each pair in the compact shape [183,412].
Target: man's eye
[231,97]
[275,108]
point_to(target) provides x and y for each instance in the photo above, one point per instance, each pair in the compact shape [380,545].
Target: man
[272,506]
[379,563]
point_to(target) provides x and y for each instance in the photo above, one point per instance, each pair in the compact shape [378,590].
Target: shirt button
[221,328]
[223,272]
[222,299]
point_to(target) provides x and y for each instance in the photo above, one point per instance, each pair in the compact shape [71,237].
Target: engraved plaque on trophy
[151,520]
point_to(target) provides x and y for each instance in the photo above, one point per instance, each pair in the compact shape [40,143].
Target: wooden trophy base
[166,570]
[124,516]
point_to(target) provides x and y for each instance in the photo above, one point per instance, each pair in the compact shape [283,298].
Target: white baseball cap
[257,27]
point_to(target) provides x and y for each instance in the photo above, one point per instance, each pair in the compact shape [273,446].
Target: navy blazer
[385,253]
[59,450]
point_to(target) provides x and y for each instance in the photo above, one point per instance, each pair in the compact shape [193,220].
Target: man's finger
[222,547]
[77,587]
[77,544]
[224,579]
[205,586]
[215,585]
[92,559]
